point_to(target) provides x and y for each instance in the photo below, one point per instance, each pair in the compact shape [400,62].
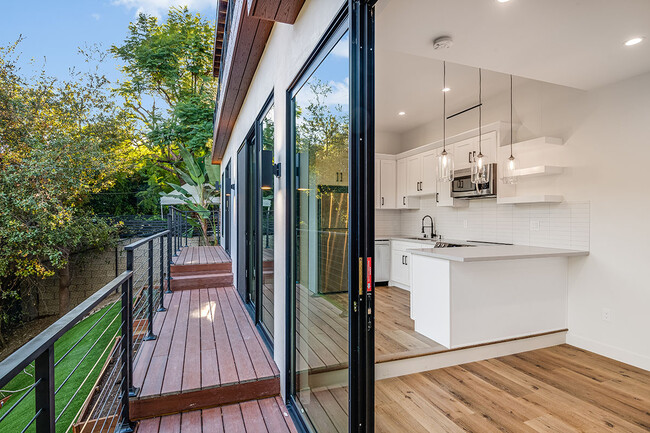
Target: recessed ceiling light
[401,113]
[634,41]
[446,89]
[503,1]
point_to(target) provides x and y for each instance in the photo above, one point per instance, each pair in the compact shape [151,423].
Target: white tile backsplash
[562,225]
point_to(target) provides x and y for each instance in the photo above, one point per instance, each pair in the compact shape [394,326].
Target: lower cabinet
[400,271]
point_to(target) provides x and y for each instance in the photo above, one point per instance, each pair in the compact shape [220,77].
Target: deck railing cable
[112,337]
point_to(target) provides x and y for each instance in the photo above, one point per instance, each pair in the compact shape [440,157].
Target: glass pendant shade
[445,167]
[479,170]
[510,171]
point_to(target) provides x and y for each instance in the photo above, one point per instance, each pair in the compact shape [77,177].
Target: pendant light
[479,169]
[510,170]
[445,159]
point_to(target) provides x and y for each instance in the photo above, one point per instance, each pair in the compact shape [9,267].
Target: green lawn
[24,412]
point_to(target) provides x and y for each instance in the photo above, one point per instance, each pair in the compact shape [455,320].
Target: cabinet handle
[437,197]
[402,259]
[406,262]
[382,201]
[404,200]
[469,157]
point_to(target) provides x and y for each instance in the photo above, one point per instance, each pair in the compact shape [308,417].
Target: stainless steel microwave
[462,186]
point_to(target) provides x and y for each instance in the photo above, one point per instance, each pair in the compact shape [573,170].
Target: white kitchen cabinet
[404,201]
[443,193]
[421,174]
[400,272]
[387,183]
[377,184]
[466,150]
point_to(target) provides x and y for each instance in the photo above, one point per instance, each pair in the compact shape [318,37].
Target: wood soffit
[247,41]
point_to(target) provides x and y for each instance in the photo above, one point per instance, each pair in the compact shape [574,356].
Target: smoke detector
[442,42]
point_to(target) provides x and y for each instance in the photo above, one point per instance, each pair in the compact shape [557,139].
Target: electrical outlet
[534,226]
[465,224]
[607,315]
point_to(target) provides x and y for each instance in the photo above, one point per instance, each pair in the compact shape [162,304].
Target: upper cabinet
[465,151]
[404,200]
[385,183]
[420,175]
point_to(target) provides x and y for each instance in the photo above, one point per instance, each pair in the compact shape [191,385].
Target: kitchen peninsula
[482,294]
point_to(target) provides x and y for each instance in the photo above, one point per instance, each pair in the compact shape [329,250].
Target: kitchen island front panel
[460,304]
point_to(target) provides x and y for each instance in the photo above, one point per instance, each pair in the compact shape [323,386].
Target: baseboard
[450,358]
[608,351]
[399,285]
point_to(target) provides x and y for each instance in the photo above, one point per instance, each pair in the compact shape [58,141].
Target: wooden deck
[200,267]
[258,416]
[322,329]
[201,256]
[207,353]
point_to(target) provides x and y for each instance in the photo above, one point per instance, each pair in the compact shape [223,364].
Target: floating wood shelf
[540,170]
[530,199]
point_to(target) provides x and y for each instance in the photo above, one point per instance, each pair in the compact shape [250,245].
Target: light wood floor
[560,389]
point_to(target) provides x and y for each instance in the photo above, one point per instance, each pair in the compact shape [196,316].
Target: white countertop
[482,252]
[495,252]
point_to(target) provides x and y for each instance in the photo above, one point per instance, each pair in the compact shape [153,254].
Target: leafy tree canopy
[169,87]
[60,142]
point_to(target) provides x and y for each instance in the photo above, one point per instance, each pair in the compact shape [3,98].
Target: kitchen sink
[439,244]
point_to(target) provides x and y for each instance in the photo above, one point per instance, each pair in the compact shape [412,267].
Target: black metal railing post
[150,335]
[127,389]
[187,228]
[169,254]
[127,308]
[174,223]
[161,307]
[44,377]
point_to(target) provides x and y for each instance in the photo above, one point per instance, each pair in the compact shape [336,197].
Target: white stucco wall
[286,52]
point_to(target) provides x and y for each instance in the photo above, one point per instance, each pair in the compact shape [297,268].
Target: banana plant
[203,176]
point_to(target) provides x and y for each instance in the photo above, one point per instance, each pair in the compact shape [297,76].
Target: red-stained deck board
[267,415]
[207,353]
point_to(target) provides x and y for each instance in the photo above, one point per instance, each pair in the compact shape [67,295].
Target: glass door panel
[321,124]
[267,229]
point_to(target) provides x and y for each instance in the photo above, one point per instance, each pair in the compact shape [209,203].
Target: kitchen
[479,261]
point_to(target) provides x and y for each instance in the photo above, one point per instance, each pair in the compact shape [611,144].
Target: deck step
[149,407]
[201,281]
[205,268]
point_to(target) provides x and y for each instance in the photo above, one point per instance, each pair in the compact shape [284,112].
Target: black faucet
[433,233]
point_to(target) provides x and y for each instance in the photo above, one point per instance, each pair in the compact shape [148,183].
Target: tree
[169,88]
[203,176]
[60,142]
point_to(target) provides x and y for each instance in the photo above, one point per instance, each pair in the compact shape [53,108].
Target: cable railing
[77,375]
[184,225]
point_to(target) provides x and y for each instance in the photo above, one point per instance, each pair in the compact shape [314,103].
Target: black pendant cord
[511,137]
[480,111]
[444,106]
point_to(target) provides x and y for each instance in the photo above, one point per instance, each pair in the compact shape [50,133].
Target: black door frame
[249,197]
[362,206]
[357,17]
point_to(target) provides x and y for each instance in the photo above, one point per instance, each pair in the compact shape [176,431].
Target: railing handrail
[143,241]
[31,350]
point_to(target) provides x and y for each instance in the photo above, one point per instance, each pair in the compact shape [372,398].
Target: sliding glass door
[330,212]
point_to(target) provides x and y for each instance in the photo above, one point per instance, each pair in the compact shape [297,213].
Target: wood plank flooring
[207,352]
[204,255]
[557,389]
[322,329]
[256,416]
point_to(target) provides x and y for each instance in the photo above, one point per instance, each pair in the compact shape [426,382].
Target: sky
[54,29]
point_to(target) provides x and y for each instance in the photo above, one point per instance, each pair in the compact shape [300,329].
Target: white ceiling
[575,43]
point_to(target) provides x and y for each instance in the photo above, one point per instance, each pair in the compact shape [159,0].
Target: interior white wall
[606,152]
[287,50]
[387,142]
